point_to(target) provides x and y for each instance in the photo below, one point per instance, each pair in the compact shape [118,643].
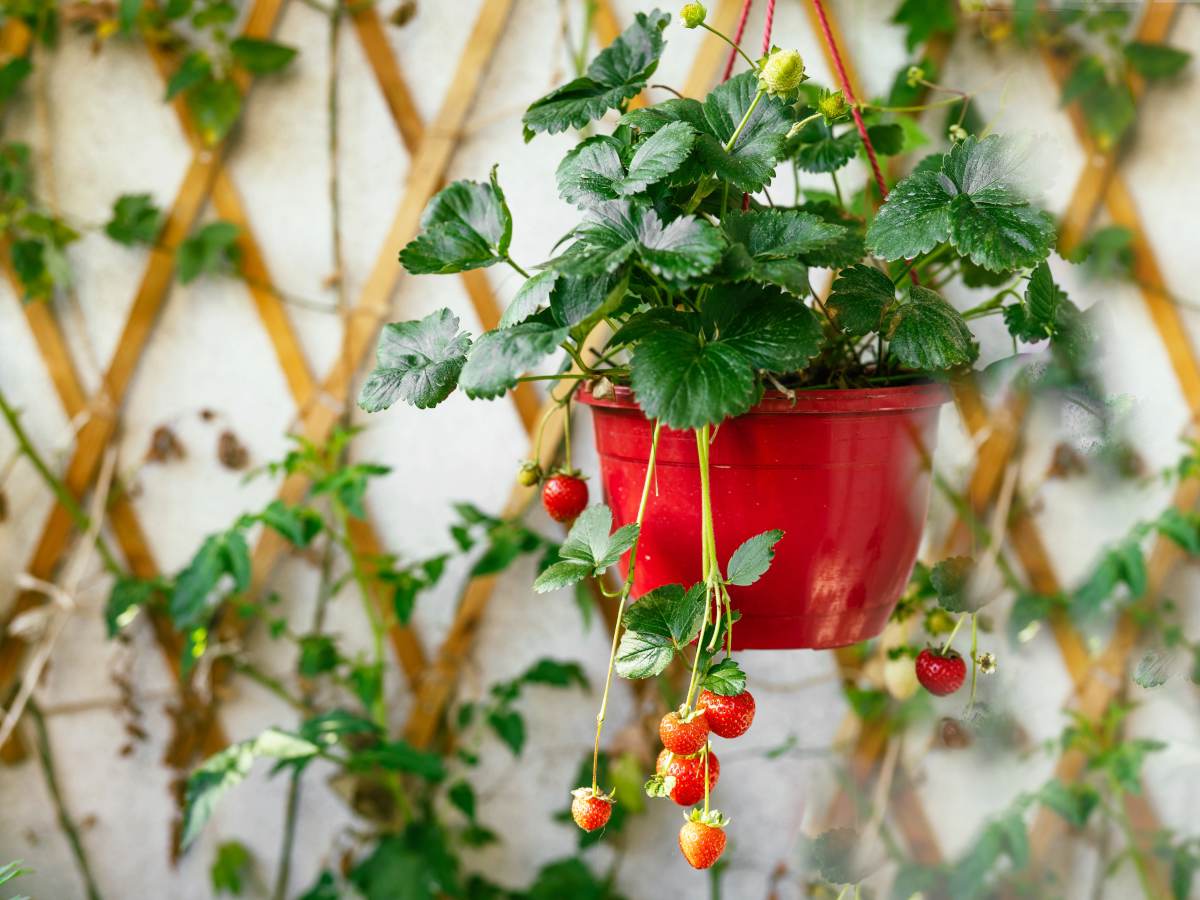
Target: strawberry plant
[688,283]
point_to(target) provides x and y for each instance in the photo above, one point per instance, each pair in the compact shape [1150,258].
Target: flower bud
[914,76]
[782,73]
[692,15]
[832,106]
[957,133]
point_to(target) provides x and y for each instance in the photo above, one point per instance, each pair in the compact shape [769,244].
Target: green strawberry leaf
[219,773]
[687,383]
[927,333]
[1155,61]
[467,225]
[658,625]
[752,559]
[1037,317]
[210,250]
[725,679]
[593,171]
[968,198]
[820,151]
[531,297]
[925,18]
[618,72]
[843,251]
[135,220]
[778,243]
[859,297]
[1104,99]
[261,56]
[588,550]
[771,330]
[617,230]
[418,362]
[501,356]
[750,164]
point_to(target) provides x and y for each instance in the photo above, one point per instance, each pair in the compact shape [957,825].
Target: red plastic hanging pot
[844,473]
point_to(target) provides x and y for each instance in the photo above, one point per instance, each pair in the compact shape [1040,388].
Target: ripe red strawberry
[688,772]
[702,838]
[565,496]
[590,810]
[940,674]
[681,735]
[728,717]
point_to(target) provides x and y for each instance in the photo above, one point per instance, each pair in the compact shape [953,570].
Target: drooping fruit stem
[708,554]
[633,551]
[950,638]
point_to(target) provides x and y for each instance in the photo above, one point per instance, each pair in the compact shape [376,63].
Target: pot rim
[832,401]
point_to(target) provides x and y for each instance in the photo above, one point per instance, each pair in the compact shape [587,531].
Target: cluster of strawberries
[687,771]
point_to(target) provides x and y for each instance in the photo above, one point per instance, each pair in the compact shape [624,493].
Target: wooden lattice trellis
[322,402]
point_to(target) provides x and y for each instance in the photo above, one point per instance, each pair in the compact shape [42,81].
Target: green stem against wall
[272,684]
[612,654]
[1121,817]
[65,497]
[742,53]
[65,822]
[378,629]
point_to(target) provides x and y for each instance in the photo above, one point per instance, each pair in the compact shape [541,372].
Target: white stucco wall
[112,135]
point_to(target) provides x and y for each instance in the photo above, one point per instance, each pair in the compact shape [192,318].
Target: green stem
[633,551]
[82,520]
[742,53]
[974,654]
[837,190]
[737,132]
[1135,852]
[957,625]
[272,684]
[379,708]
[707,553]
[512,262]
[65,822]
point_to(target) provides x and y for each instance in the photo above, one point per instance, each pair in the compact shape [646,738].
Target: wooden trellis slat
[426,173]
[288,349]
[412,131]
[713,51]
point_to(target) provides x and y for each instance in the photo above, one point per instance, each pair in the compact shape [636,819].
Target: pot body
[844,473]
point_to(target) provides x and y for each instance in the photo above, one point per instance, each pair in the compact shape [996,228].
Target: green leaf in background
[223,554]
[593,171]
[467,225]
[135,220]
[555,673]
[1182,528]
[208,783]
[618,72]
[230,868]
[532,296]
[500,357]
[126,599]
[969,197]
[751,560]
[950,578]
[616,231]
[779,242]
[261,56]
[399,756]
[318,654]
[859,297]
[1073,802]
[726,678]
[12,74]
[1027,610]
[926,333]
[1155,61]
[215,106]
[922,19]
[1104,98]
[297,524]
[194,69]
[509,726]
[12,870]
[588,550]
[209,250]
[1106,253]
[1037,317]
[658,625]
[418,362]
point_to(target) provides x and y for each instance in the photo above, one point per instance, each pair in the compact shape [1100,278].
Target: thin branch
[65,822]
